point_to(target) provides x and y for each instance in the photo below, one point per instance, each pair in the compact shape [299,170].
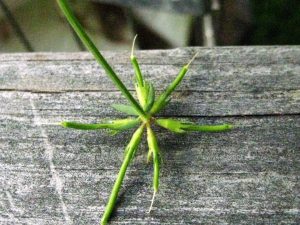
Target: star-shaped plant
[144,111]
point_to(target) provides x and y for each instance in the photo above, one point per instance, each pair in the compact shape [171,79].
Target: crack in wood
[49,151]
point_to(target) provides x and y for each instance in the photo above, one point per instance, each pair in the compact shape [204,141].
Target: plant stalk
[64,6]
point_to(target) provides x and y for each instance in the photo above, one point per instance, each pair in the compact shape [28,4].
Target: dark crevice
[132,90]
[113,116]
[153,62]
[232,115]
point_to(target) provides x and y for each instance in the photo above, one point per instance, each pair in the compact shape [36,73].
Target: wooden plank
[223,81]
[245,69]
[52,175]
[187,103]
[237,177]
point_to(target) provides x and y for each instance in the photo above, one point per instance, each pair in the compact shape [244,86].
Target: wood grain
[53,175]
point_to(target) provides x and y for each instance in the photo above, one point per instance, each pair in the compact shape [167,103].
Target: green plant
[144,112]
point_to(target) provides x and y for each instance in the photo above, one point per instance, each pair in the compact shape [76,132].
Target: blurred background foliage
[276,22]
[160,24]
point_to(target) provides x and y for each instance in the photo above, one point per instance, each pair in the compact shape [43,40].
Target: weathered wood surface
[52,175]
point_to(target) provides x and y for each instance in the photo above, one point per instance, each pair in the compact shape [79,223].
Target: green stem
[64,6]
[133,144]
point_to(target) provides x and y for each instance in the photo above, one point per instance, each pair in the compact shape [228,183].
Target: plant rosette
[143,110]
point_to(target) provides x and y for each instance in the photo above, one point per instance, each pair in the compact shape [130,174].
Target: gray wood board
[52,175]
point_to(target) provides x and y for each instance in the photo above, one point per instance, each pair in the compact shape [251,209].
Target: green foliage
[129,110]
[180,127]
[144,110]
[115,125]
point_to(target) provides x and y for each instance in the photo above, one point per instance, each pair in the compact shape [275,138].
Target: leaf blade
[131,148]
[115,125]
[150,98]
[180,127]
[162,99]
[136,67]
[129,110]
[82,126]
[209,128]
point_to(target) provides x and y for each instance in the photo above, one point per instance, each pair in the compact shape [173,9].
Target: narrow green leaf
[150,98]
[83,126]
[131,148]
[170,124]
[138,74]
[149,155]
[113,132]
[123,124]
[208,128]
[154,149]
[64,6]
[142,92]
[182,127]
[146,95]
[118,125]
[129,110]
[162,99]
[163,102]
